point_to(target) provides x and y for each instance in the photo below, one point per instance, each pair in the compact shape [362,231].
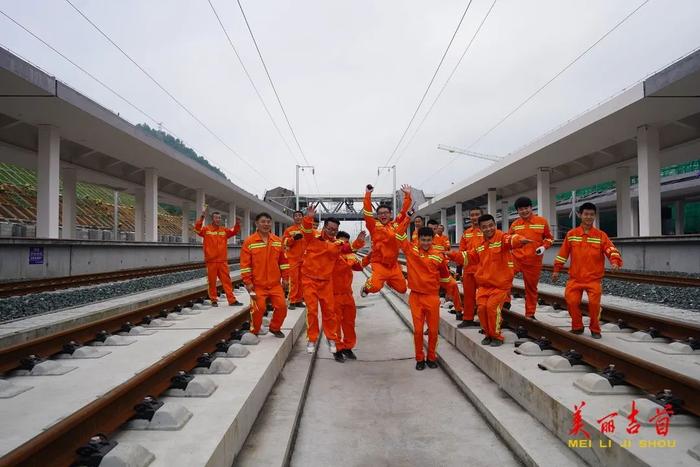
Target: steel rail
[9,289]
[11,357]
[640,277]
[57,444]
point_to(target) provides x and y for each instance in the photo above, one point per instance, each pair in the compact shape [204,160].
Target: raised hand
[370,188]
[311,210]
[406,189]
[362,235]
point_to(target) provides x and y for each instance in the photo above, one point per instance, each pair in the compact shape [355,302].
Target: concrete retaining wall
[20,260]
[666,254]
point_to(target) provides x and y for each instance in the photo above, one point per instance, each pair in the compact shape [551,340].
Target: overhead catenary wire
[168,93]
[444,86]
[252,83]
[274,89]
[427,89]
[541,88]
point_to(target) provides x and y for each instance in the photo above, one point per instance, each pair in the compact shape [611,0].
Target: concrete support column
[151,205]
[199,202]
[505,224]
[115,228]
[247,221]
[635,217]
[491,206]
[679,207]
[553,212]
[459,222]
[648,168]
[232,220]
[185,231]
[70,202]
[48,182]
[443,217]
[139,203]
[544,203]
[624,202]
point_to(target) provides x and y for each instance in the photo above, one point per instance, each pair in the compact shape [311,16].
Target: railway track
[648,376]
[9,289]
[57,444]
[639,277]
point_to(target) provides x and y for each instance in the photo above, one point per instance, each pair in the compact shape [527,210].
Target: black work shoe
[349,354]
[214,303]
[458,316]
[576,331]
[291,306]
[339,357]
[532,317]
[496,343]
[236,303]
[425,333]
[468,323]
[431,364]
[506,306]
[279,334]
[486,341]
[452,311]
[420,366]
[596,335]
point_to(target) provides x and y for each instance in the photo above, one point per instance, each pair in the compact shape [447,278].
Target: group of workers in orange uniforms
[322,263]
[215,243]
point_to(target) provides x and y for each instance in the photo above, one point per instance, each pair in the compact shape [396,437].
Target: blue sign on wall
[36,255]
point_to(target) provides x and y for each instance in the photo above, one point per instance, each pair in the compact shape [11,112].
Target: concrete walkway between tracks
[380,411]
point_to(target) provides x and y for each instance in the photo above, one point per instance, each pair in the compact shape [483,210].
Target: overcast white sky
[350,74]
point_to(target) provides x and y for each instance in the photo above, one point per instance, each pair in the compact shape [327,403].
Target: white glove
[539,251]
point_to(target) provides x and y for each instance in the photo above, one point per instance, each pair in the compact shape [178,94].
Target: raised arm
[402,236]
[199,226]
[407,202]
[233,230]
[367,209]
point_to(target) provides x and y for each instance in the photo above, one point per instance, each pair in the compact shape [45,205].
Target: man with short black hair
[385,247]
[427,271]
[215,243]
[442,244]
[471,238]
[322,253]
[343,301]
[494,275]
[588,248]
[295,245]
[265,271]
[528,260]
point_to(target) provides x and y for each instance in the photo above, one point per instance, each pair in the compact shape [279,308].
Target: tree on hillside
[180,147]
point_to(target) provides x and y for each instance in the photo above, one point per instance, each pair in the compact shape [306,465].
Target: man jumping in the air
[385,246]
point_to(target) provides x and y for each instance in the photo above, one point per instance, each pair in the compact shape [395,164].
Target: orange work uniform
[264,265]
[344,303]
[588,251]
[427,271]
[535,228]
[320,257]
[442,244]
[494,278]
[385,248]
[215,245]
[295,254]
[471,238]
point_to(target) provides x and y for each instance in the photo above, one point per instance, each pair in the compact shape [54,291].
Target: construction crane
[478,155]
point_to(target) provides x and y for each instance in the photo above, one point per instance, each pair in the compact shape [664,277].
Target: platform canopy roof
[587,149]
[102,146]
